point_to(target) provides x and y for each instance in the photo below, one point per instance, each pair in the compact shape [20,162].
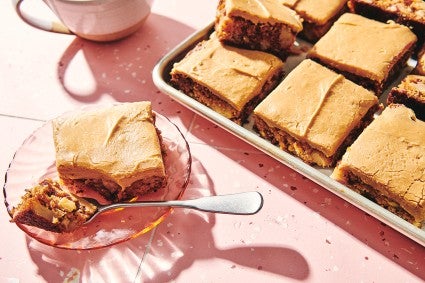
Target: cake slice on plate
[114,151]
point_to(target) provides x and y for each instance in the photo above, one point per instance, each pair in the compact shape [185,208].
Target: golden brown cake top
[118,143]
[233,74]
[363,46]
[390,155]
[264,11]
[316,105]
[316,11]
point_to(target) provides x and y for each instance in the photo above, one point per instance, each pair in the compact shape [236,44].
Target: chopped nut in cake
[47,206]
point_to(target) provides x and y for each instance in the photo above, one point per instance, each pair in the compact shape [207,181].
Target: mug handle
[46,25]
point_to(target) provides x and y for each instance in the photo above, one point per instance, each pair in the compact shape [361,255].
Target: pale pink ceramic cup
[98,20]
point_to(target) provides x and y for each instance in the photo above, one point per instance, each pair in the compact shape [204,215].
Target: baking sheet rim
[160,71]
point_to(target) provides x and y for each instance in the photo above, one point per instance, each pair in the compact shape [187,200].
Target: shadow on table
[375,234]
[112,264]
[188,239]
[122,69]
[170,254]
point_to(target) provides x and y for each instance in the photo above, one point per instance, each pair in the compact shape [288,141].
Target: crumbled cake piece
[114,151]
[47,206]
[227,79]
[387,163]
[366,51]
[407,12]
[264,25]
[315,113]
[318,15]
[410,92]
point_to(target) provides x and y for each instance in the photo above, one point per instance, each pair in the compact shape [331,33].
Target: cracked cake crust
[396,141]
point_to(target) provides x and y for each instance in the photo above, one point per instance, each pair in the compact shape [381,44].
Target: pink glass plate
[35,160]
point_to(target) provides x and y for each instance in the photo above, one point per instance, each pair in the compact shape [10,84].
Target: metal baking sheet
[321,176]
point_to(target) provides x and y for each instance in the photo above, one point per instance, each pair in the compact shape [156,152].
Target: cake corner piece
[394,178]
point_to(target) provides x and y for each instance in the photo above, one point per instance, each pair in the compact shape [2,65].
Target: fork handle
[240,203]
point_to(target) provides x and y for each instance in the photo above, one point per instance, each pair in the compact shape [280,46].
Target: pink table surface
[303,233]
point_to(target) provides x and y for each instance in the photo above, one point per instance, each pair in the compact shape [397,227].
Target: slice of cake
[114,151]
[387,163]
[264,25]
[365,51]
[410,92]
[49,207]
[315,113]
[229,80]
[318,15]
[410,13]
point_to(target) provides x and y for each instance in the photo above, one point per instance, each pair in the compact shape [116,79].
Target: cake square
[366,51]
[114,151]
[410,92]
[318,15]
[264,25]
[229,80]
[410,13]
[49,207]
[315,113]
[387,163]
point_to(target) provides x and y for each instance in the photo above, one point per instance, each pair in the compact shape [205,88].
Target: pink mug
[97,20]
